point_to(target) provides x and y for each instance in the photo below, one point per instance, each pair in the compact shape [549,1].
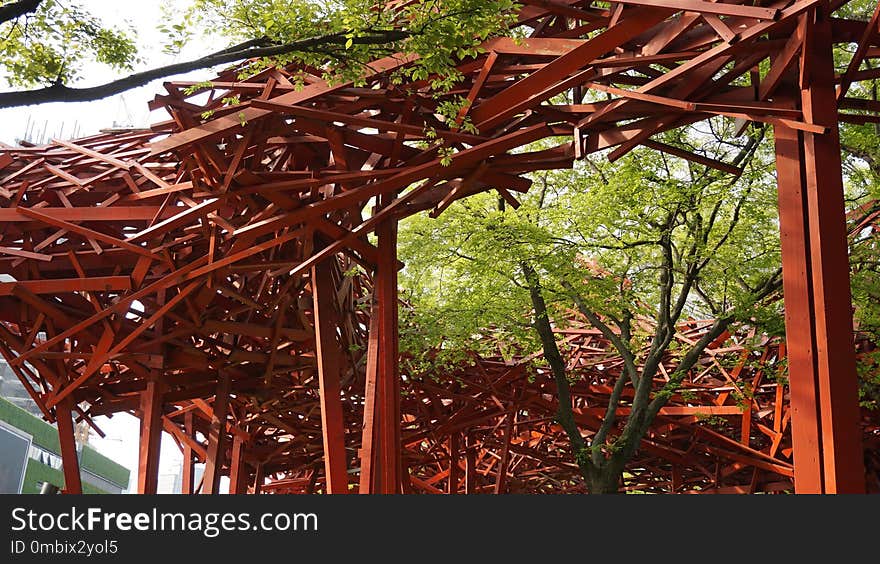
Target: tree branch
[713,307]
[691,358]
[623,349]
[608,420]
[18,9]
[60,93]
[639,422]
[564,414]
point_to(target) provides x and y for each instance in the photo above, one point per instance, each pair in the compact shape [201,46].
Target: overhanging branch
[18,9]
[61,93]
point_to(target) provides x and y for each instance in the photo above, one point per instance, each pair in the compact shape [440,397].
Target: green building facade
[99,473]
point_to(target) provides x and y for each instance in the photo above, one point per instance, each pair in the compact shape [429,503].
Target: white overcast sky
[128,109]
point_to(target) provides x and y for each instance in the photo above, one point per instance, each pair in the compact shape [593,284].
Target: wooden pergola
[197,273]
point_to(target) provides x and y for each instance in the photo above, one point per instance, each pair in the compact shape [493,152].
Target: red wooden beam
[369,436]
[388,383]
[217,435]
[504,463]
[470,471]
[329,357]
[800,338]
[258,479]
[454,442]
[188,470]
[842,464]
[151,436]
[237,467]
[69,451]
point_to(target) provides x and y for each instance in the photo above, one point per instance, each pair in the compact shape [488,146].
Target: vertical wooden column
[454,470]
[822,374]
[797,290]
[842,457]
[501,478]
[237,471]
[388,385]
[329,357]
[454,444]
[368,436]
[258,478]
[151,409]
[381,467]
[69,454]
[188,482]
[151,435]
[217,436]
[470,470]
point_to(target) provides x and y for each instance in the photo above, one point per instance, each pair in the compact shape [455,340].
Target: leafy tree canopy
[634,246]
[600,229]
[53,41]
[47,42]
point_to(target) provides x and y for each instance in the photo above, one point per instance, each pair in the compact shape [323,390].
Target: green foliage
[869,380]
[638,244]
[232,100]
[441,32]
[53,44]
[582,457]
[713,420]
[861,161]
[198,86]
[598,229]
[177,28]
[742,399]
[689,396]
[341,39]
[446,154]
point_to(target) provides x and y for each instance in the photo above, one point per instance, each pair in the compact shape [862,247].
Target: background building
[12,389]
[99,473]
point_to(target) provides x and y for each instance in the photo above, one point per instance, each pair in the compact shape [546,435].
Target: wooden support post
[380,455]
[258,479]
[188,462]
[329,357]
[69,454]
[389,382]
[797,291]
[746,428]
[217,436]
[407,483]
[151,435]
[470,471]
[501,478]
[821,356]
[151,409]
[842,457]
[454,470]
[313,479]
[368,439]
[237,470]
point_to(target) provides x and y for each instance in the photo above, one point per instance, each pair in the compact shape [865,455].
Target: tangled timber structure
[197,274]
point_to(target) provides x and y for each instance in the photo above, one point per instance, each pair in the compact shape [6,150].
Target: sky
[128,109]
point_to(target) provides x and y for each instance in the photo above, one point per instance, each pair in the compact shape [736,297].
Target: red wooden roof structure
[198,273]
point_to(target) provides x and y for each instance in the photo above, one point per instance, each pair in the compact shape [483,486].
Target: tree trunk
[604,480]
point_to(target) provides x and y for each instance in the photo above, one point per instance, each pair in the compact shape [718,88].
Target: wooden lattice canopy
[195,273]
